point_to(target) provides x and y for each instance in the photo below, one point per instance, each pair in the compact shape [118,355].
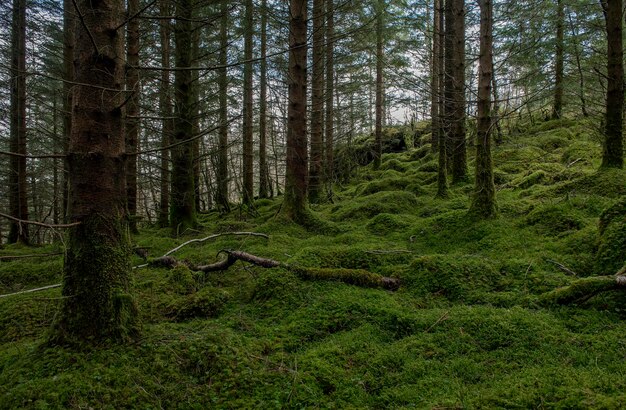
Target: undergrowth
[464,330]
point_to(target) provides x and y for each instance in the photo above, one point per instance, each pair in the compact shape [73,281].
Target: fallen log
[358,277]
[583,289]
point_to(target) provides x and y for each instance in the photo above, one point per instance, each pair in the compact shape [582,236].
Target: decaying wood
[358,277]
[583,289]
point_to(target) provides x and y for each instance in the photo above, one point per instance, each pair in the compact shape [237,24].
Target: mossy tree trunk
[183,202]
[96,278]
[222,200]
[295,202]
[613,150]
[248,156]
[484,201]
[317,103]
[18,186]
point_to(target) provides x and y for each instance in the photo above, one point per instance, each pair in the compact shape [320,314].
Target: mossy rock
[611,255]
[457,277]
[206,303]
[385,224]
[554,219]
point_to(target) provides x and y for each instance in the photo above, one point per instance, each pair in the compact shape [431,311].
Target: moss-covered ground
[463,331]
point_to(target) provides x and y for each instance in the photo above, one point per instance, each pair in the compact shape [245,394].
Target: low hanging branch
[358,277]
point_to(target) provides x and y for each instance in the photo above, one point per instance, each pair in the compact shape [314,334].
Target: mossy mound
[401,183]
[554,219]
[182,280]
[391,202]
[206,303]
[459,277]
[375,260]
[609,183]
[385,224]
[611,255]
[393,164]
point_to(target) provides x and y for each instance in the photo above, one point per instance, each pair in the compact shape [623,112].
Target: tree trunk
[132,112]
[459,154]
[558,66]
[96,279]
[330,91]
[165,107]
[439,125]
[264,184]
[434,79]
[248,157]
[295,204]
[449,106]
[484,201]
[68,77]
[378,150]
[18,186]
[613,150]
[317,103]
[222,201]
[495,114]
[183,201]
[581,76]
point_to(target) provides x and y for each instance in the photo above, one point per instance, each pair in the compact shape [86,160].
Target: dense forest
[327,204]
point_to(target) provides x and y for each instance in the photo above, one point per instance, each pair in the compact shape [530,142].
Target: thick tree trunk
[248,155]
[440,120]
[329,123]
[484,201]
[557,109]
[165,107]
[378,150]
[459,152]
[613,150]
[183,201]
[222,201]
[18,186]
[295,202]
[96,278]
[264,178]
[132,111]
[317,103]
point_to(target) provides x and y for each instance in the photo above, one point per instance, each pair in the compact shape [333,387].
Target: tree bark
[68,77]
[183,202]
[557,110]
[434,78]
[295,202]
[96,279]
[317,103]
[264,178]
[613,149]
[18,186]
[459,152]
[222,200]
[378,145]
[248,156]
[484,201]
[165,107]
[330,91]
[132,111]
[441,120]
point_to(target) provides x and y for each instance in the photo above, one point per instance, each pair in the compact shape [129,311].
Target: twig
[56,285]
[82,20]
[441,319]
[562,267]
[215,236]
[52,226]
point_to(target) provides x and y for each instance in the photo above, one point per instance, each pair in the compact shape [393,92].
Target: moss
[431,166]
[349,257]
[393,164]
[611,255]
[579,291]
[394,202]
[607,183]
[554,219]
[527,181]
[384,224]
[206,303]
[583,151]
[387,184]
[419,153]
[358,277]
[182,280]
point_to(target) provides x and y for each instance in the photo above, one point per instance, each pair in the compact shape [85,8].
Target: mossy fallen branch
[358,277]
[583,289]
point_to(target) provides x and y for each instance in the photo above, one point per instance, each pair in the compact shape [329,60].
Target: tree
[329,125]
[132,111]
[183,202]
[222,201]
[165,108]
[484,201]
[68,77]
[248,156]
[264,177]
[96,303]
[557,109]
[18,199]
[317,103]
[457,72]
[613,148]
[295,202]
[379,84]
[438,77]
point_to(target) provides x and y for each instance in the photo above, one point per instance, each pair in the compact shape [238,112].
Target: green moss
[206,303]
[554,219]
[182,280]
[384,224]
[393,164]
[527,181]
[395,202]
[611,255]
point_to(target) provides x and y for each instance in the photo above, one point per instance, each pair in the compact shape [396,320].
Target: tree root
[358,277]
[583,289]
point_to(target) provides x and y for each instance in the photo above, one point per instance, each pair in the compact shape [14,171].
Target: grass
[464,330]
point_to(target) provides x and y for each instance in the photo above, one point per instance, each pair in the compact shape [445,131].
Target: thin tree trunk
[68,76]
[434,78]
[222,201]
[183,202]
[55,162]
[96,304]
[330,91]
[449,105]
[18,196]
[317,103]
[581,76]
[613,149]
[484,201]
[441,120]
[264,185]
[295,202]
[248,155]
[132,112]
[557,110]
[165,107]
[459,154]
[378,150]
[495,114]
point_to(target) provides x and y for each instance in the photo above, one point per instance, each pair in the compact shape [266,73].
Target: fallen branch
[41,255]
[32,290]
[562,267]
[215,236]
[583,289]
[358,277]
[52,226]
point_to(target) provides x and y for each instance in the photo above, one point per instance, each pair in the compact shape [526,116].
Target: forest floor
[463,331]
